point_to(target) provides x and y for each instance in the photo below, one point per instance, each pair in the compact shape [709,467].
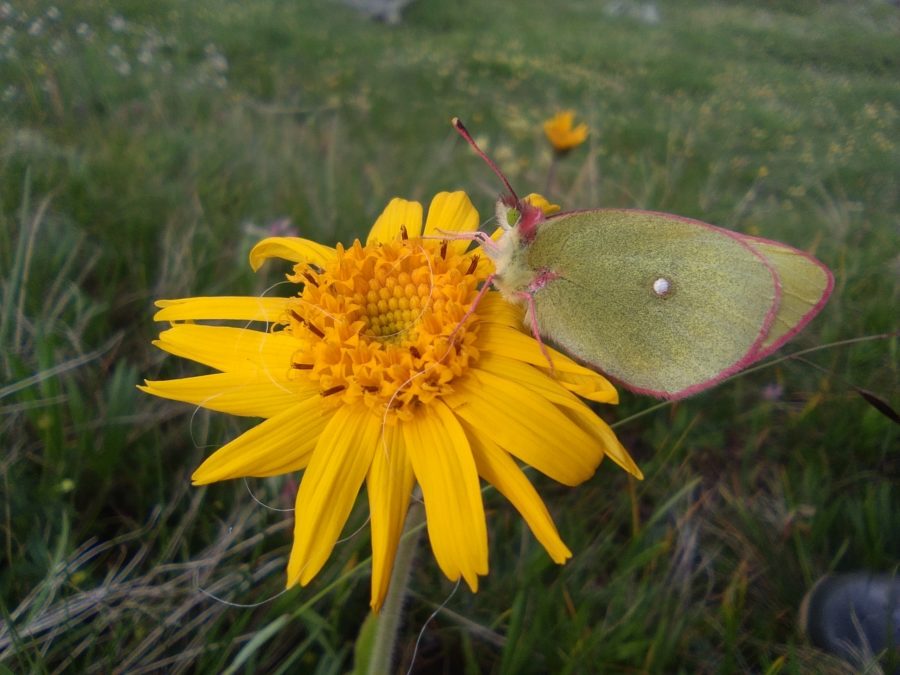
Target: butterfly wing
[601,302]
[806,285]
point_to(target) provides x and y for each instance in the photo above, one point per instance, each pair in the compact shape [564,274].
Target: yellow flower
[379,370]
[561,133]
[542,203]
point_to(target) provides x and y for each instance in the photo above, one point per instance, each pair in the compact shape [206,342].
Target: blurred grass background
[144,146]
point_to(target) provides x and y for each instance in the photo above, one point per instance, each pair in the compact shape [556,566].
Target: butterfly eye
[662,287]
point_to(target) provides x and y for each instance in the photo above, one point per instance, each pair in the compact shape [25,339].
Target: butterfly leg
[485,287]
[528,297]
[540,280]
[483,238]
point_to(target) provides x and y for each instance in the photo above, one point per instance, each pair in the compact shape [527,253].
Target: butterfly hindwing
[806,285]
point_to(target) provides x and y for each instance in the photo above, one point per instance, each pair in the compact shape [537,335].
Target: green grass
[141,158]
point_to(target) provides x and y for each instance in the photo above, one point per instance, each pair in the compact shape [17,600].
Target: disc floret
[388,324]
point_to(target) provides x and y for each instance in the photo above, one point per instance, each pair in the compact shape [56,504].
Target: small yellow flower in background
[379,370]
[562,133]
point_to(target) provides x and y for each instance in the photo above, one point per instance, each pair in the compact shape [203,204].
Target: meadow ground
[145,146]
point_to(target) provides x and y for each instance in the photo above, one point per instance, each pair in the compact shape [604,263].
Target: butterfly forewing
[666,305]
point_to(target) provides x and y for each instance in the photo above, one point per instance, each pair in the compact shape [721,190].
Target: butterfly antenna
[461,129]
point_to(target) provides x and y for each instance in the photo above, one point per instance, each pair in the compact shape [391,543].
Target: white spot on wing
[662,287]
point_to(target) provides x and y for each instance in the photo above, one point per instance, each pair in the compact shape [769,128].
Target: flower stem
[388,621]
[551,176]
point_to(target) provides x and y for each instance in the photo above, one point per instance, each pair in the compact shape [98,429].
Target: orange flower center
[388,325]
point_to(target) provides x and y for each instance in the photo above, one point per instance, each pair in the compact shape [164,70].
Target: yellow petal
[540,382]
[509,340]
[579,134]
[329,488]
[499,469]
[542,203]
[528,376]
[452,212]
[231,349]
[605,436]
[500,338]
[294,249]
[389,484]
[234,308]
[527,426]
[397,214]
[593,386]
[442,460]
[493,308]
[280,444]
[239,393]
